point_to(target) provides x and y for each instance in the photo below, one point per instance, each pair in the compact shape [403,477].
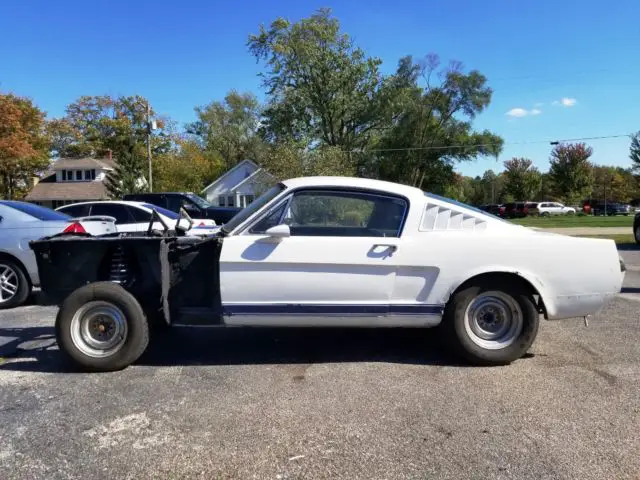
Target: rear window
[464,205]
[162,211]
[36,211]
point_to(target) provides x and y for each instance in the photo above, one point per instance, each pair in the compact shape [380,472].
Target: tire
[102,327]
[636,233]
[14,284]
[544,214]
[461,330]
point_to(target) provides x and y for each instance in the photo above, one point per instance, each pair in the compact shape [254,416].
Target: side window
[174,202]
[119,212]
[76,210]
[139,215]
[271,220]
[344,214]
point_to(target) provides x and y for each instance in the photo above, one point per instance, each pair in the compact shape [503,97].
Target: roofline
[244,180]
[236,166]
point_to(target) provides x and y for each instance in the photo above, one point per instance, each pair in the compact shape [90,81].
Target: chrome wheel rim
[493,320]
[9,283]
[99,329]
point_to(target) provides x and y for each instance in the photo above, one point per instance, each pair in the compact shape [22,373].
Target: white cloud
[565,102]
[522,112]
[538,104]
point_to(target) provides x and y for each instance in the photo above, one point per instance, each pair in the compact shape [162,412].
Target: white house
[239,186]
[72,180]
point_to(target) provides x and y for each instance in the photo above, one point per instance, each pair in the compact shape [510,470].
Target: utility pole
[149,127]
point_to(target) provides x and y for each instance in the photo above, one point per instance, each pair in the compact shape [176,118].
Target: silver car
[21,222]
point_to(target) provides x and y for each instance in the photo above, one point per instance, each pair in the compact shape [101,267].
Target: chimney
[34,181]
[109,154]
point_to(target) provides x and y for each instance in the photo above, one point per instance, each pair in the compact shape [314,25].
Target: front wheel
[14,286]
[636,233]
[491,323]
[102,327]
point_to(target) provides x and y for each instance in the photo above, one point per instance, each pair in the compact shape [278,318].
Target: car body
[135,216]
[22,222]
[553,208]
[193,204]
[340,252]
[610,208]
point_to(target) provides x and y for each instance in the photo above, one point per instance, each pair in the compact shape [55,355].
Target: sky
[560,69]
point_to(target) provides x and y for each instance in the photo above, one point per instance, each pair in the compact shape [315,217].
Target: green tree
[186,167]
[571,171]
[128,175]
[522,181]
[94,125]
[320,86]
[23,144]
[634,153]
[613,183]
[228,129]
[432,124]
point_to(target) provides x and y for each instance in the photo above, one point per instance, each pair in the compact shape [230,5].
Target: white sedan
[135,216]
[21,222]
[338,252]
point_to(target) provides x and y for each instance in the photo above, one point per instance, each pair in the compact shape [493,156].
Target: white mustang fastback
[337,251]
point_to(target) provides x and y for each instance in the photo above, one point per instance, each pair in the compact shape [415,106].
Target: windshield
[36,211]
[162,211]
[201,202]
[253,207]
[464,205]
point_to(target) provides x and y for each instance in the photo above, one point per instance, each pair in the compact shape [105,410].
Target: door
[337,267]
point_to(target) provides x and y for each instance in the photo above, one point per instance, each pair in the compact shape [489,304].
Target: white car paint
[200,226]
[18,228]
[554,208]
[274,279]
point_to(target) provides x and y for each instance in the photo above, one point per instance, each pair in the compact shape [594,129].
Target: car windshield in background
[464,205]
[36,211]
[162,211]
[253,207]
[201,202]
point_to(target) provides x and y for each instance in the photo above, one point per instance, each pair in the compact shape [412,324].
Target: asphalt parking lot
[274,404]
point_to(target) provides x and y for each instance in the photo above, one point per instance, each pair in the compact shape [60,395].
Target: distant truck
[195,206]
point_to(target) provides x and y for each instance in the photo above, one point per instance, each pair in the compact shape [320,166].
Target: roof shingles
[68,191]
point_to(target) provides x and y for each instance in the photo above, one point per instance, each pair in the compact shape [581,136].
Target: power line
[479,145]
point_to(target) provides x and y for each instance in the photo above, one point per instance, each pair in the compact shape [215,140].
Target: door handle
[388,246]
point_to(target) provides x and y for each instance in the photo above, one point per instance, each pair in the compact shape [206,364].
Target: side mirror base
[279,231]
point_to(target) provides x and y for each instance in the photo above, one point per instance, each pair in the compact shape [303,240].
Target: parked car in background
[494,209]
[135,216]
[516,209]
[21,222]
[195,206]
[554,208]
[610,208]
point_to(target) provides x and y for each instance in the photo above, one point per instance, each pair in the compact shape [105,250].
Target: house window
[87,174]
[78,174]
[221,200]
[248,199]
[93,174]
[70,175]
[230,201]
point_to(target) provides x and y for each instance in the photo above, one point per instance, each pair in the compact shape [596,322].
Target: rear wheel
[102,327]
[636,233]
[491,323]
[14,286]
[544,214]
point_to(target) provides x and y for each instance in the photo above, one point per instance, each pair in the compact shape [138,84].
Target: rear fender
[540,287]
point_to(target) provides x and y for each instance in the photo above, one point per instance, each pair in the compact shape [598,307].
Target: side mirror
[279,231]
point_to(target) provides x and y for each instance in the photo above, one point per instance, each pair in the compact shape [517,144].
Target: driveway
[274,404]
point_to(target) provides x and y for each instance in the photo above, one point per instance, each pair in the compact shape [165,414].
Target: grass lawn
[561,221]
[619,239]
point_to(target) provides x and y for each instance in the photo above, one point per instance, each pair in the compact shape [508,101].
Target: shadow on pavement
[630,290]
[628,246]
[35,346]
